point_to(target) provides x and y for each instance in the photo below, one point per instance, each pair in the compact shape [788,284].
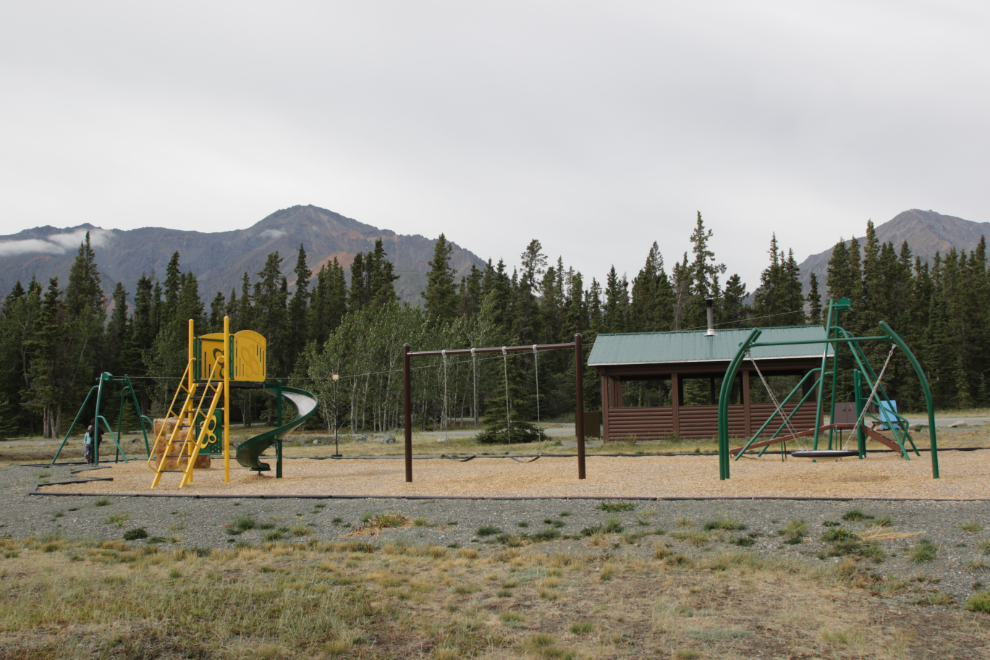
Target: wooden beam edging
[594,498]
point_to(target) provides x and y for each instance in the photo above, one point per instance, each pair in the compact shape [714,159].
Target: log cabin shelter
[658,385]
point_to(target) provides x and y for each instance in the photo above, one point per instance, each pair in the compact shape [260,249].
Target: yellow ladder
[185,418]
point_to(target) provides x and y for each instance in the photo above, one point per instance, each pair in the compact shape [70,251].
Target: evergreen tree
[644,309]
[298,330]
[440,297]
[733,312]
[269,310]
[173,283]
[471,292]
[704,275]
[815,301]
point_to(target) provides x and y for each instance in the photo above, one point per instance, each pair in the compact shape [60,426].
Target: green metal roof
[696,346]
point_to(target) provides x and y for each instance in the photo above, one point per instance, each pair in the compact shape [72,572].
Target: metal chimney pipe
[710,302]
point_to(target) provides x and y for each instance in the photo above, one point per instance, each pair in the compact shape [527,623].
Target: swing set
[575,345]
[835,337]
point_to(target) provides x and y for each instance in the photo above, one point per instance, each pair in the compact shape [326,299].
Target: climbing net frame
[835,336]
[408,355]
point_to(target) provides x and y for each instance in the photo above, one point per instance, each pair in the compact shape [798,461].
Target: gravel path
[207,522]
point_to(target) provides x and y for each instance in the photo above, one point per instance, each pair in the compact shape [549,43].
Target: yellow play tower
[190,430]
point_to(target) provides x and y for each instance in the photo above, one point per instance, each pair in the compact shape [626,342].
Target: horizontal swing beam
[817,341]
[492,349]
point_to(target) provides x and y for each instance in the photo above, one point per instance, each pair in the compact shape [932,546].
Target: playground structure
[217,363]
[106,379]
[835,336]
[575,345]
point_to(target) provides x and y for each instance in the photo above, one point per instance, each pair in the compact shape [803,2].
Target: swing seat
[824,453]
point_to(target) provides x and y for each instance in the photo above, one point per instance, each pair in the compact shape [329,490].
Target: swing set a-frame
[836,337]
[575,346]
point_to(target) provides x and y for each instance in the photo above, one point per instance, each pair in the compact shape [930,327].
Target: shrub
[979,602]
[616,507]
[496,433]
[726,524]
[135,534]
[795,531]
[924,550]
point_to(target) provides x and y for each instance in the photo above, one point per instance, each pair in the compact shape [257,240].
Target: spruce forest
[55,337]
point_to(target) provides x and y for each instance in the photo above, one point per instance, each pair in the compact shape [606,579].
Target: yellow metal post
[192,358]
[226,399]
[192,338]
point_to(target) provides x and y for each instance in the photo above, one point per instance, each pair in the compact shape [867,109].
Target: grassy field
[609,597]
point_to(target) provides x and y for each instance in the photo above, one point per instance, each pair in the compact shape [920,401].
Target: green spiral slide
[249,451]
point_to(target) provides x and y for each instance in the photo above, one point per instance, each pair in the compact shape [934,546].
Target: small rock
[957,424]
[388,440]
[361,438]
[443,439]
[316,442]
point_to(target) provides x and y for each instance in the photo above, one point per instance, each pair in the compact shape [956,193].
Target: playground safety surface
[883,476]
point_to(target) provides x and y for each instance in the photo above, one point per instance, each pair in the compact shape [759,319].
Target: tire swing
[845,451]
[508,418]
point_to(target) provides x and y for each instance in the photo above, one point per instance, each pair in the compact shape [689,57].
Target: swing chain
[873,393]
[443,413]
[508,420]
[474,372]
[773,397]
[539,431]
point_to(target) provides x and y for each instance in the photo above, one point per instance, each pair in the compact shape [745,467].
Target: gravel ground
[205,523]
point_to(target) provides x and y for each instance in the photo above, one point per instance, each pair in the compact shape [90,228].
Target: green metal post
[96,421]
[72,426]
[835,374]
[141,418]
[821,377]
[120,420]
[894,337]
[860,435]
[103,419]
[723,404]
[278,445]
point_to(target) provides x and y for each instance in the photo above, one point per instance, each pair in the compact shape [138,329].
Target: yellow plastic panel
[249,357]
[211,350]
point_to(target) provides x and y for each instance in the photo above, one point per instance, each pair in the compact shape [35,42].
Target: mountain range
[926,232]
[220,259]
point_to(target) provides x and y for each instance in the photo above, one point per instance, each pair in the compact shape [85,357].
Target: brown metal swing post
[578,381]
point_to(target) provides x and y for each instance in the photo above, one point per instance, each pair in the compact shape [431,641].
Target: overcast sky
[596,128]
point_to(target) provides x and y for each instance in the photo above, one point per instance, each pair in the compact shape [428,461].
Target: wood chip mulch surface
[963,476]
